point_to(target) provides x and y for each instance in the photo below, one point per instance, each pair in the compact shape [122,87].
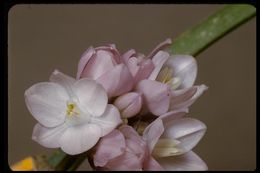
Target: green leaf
[208,31]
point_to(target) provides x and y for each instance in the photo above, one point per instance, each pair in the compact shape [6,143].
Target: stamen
[166,147]
[72,109]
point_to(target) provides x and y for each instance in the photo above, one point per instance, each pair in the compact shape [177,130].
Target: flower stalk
[208,31]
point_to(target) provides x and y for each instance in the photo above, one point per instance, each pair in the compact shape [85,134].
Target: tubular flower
[171,80]
[165,145]
[71,114]
[105,65]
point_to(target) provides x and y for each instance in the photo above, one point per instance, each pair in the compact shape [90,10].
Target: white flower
[72,114]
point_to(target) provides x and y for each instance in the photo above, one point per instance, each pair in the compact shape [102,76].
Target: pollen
[165,75]
[72,109]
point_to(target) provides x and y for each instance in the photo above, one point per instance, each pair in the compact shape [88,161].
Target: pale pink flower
[169,86]
[165,145]
[72,114]
[129,104]
[104,64]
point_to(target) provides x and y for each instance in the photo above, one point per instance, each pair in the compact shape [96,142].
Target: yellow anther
[72,109]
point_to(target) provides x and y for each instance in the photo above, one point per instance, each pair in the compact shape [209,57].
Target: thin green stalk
[208,31]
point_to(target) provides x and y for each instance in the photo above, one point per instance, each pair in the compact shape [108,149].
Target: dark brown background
[44,37]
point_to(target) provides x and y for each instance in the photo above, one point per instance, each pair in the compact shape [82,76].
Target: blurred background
[42,38]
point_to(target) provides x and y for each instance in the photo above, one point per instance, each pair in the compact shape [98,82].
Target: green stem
[61,161]
[208,31]
[191,42]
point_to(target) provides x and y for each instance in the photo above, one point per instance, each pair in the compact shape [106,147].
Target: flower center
[72,109]
[165,76]
[166,147]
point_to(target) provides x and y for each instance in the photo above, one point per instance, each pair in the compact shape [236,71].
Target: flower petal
[84,60]
[112,49]
[185,97]
[186,162]
[92,96]
[129,104]
[130,133]
[152,165]
[158,60]
[161,46]
[101,63]
[109,147]
[156,96]
[127,55]
[188,131]
[117,81]
[64,80]
[48,137]
[109,120]
[145,70]
[172,115]
[47,103]
[80,138]
[185,68]
[125,162]
[152,133]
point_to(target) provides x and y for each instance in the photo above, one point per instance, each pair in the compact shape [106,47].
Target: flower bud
[129,104]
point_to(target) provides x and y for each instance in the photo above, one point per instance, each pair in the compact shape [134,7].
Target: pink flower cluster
[153,94]
[128,109]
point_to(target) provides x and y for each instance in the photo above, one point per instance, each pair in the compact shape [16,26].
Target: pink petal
[112,49]
[129,104]
[185,97]
[186,162]
[84,60]
[133,66]
[156,96]
[125,162]
[188,131]
[130,133]
[158,60]
[109,147]
[161,46]
[173,115]
[144,71]
[152,133]
[127,55]
[101,63]
[152,165]
[185,68]
[117,81]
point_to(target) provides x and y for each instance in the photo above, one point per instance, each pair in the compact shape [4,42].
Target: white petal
[188,131]
[47,103]
[184,67]
[184,98]
[92,96]
[158,60]
[64,80]
[109,120]
[186,162]
[153,132]
[78,139]
[48,137]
